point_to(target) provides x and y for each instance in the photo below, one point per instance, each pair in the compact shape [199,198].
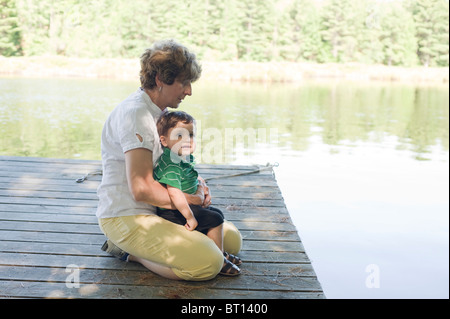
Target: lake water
[363,168]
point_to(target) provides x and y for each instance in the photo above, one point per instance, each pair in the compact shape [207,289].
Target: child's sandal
[232,258]
[230,269]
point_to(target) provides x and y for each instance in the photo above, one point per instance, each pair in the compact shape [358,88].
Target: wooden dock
[50,240]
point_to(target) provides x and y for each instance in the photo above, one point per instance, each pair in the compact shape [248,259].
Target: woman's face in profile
[174,94]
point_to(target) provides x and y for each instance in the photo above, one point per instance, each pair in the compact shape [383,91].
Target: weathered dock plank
[48,225]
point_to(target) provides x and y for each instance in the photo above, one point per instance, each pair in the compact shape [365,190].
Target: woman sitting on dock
[128,194]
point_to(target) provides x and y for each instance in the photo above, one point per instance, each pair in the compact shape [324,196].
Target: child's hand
[191,223]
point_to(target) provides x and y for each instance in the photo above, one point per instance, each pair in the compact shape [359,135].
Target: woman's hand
[206,191]
[198,198]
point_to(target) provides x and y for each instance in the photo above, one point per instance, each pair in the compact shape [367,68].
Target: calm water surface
[363,167]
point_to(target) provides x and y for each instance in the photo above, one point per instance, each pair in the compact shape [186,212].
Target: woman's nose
[188,90]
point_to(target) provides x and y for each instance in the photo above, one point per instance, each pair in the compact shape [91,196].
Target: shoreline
[269,72]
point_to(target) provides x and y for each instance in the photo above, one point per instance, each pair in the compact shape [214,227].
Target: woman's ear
[158,81]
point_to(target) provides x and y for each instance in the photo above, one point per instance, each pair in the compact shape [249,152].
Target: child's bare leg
[216,234]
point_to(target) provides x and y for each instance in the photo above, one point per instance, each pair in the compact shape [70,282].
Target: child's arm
[180,202]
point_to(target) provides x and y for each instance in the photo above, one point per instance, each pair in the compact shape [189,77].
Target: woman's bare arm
[144,188]
[142,185]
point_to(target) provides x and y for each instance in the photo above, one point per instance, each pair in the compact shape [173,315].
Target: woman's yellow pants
[190,254]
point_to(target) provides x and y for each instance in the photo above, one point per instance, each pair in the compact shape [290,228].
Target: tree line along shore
[404,33]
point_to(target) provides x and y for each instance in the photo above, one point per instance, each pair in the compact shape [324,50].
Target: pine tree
[441,27]
[222,22]
[305,33]
[431,17]
[229,29]
[340,25]
[369,42]
[398,36]
[10,33]
[257,25]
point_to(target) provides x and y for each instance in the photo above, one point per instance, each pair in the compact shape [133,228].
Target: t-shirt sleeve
[136,129]
[171,176]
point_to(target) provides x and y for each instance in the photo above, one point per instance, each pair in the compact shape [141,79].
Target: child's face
[180,139]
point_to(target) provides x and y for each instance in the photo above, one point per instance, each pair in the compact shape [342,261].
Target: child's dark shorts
[207,217]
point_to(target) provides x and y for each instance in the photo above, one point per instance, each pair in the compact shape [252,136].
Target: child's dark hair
[169,120]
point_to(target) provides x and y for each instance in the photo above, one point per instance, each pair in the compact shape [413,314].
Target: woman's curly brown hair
[170,61]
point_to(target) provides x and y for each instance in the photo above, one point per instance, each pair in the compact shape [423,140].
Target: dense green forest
[391,32]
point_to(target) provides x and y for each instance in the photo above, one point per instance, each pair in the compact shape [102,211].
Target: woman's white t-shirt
[135,117]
